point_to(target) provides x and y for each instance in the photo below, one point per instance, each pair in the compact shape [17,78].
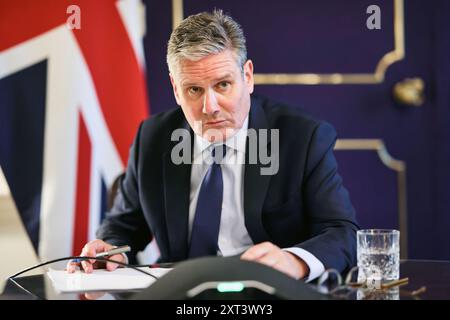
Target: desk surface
[434,276]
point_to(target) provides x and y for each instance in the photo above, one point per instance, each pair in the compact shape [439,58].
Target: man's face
[214,94]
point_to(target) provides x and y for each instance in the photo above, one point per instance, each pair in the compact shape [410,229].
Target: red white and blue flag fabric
[70,104]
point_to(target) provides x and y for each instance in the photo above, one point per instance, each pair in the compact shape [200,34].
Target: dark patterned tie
[205,230]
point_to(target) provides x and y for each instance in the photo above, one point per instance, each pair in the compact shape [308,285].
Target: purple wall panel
[331,36]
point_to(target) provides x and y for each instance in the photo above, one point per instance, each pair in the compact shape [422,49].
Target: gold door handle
[410,92]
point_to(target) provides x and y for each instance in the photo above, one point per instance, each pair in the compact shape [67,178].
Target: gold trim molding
[333,78]
[394,164]
[177,13]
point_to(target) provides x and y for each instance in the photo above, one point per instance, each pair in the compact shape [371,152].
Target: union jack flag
[70,104]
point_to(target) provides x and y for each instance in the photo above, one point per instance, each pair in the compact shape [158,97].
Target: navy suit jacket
[303,205]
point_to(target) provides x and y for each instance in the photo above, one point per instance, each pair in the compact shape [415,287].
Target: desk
[434,275]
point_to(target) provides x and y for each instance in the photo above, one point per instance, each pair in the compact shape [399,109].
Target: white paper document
[102,280]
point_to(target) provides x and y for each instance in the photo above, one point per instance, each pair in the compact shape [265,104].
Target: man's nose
[210,105]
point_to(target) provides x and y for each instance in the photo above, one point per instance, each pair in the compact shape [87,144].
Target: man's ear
[248,75]
[175,89]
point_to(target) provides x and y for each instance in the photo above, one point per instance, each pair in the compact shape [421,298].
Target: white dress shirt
[233,235]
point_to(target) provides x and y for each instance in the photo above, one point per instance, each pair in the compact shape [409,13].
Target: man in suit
[297,219]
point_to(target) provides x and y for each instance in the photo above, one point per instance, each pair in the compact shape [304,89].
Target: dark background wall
[331,37]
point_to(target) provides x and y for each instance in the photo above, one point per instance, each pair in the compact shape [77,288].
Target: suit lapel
[255,184]
[176,194]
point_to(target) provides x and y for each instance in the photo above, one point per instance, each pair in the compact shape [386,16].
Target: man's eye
[194,90]
[223,85]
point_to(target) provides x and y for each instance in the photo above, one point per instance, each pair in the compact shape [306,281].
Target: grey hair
[204,34]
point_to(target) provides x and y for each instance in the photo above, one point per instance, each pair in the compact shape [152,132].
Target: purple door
[379,74]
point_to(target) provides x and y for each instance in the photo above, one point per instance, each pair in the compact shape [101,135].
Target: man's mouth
[213,123]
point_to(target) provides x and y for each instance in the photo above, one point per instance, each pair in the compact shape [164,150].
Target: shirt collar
[236,142]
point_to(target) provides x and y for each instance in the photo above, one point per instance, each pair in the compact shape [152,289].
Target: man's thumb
[111,266]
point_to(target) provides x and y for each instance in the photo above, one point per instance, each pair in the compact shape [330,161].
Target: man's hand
[269,254]
[90,250]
